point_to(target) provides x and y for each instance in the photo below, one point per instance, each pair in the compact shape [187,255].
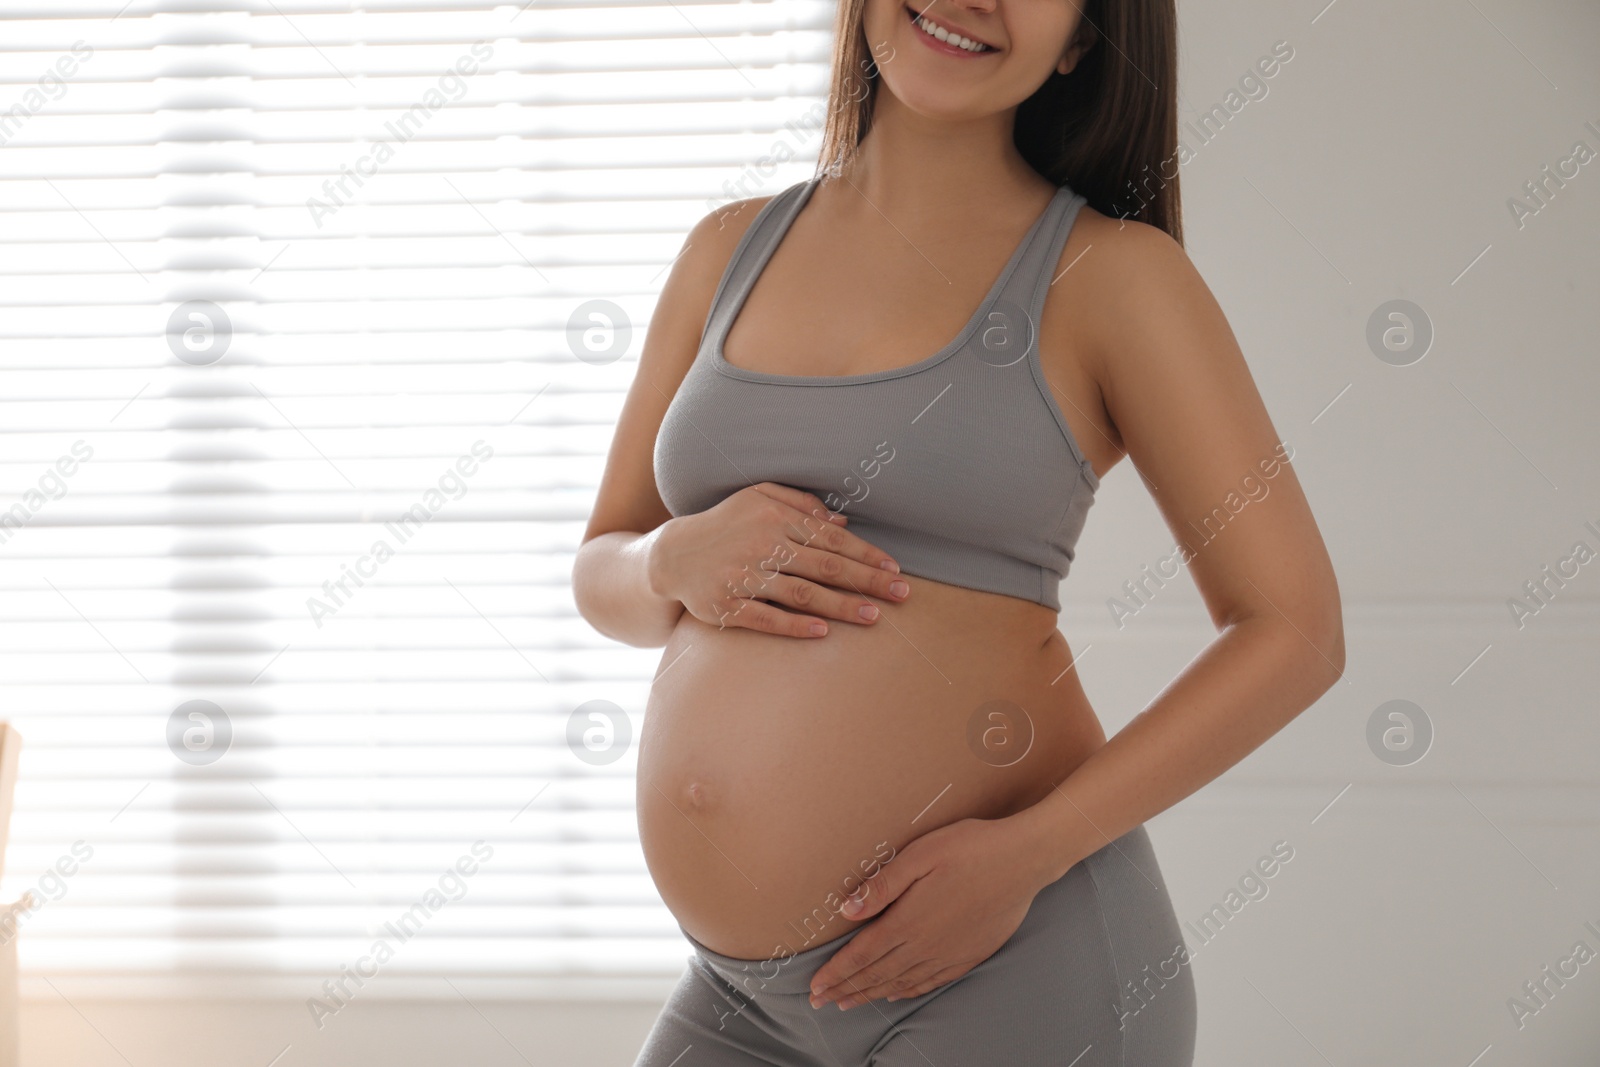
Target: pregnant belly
[776,773]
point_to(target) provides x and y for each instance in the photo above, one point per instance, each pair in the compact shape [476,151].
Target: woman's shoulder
[1125,307]
[712,240]
[1113,271]
[691,285]
[707,249]
[1123,244]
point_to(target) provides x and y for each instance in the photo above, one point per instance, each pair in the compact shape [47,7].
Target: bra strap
[1031,281]
[756,245]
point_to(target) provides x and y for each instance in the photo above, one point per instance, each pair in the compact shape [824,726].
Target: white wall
[1378,167]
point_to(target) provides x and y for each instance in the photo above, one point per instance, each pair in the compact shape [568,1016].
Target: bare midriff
[775,773]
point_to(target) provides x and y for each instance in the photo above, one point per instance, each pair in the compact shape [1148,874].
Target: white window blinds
[315,320]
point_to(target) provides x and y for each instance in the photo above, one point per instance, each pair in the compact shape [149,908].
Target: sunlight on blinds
[315,320]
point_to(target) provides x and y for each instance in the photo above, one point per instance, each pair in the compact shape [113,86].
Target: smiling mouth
[945,35]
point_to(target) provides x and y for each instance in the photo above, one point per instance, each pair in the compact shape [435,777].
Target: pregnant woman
[867,426]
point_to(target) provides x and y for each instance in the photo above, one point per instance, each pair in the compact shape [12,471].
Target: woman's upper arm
[628,498]
[1186,407]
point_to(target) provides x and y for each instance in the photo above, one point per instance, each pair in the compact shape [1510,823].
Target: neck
[914,166]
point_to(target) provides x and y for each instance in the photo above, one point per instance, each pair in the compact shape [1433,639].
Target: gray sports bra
[960,465]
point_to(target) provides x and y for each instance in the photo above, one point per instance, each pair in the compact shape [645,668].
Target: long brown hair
[1109,129]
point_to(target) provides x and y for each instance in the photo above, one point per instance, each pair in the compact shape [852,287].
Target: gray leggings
[1097,975]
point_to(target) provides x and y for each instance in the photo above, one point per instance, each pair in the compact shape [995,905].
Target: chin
[932,99]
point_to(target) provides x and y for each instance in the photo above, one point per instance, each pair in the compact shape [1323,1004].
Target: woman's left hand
[957,894]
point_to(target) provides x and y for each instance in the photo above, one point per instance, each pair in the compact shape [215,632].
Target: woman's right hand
[774,543]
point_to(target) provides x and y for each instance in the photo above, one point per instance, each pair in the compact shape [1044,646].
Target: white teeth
[946,36]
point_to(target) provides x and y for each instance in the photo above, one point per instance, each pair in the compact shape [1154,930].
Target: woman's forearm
[1255,677]
[611,584]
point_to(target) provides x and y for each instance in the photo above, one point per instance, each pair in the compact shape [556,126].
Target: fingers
[866,950]
[885,886]
[821,571]
[821,600]
[900,987]
[818,585]
[800,500]
[811,522]
[813,605]
[765,618]
[928,985]
[831,538]
[826,567]
[856,987]
[915,981]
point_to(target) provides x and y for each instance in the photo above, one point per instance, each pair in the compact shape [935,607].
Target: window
[317,320]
